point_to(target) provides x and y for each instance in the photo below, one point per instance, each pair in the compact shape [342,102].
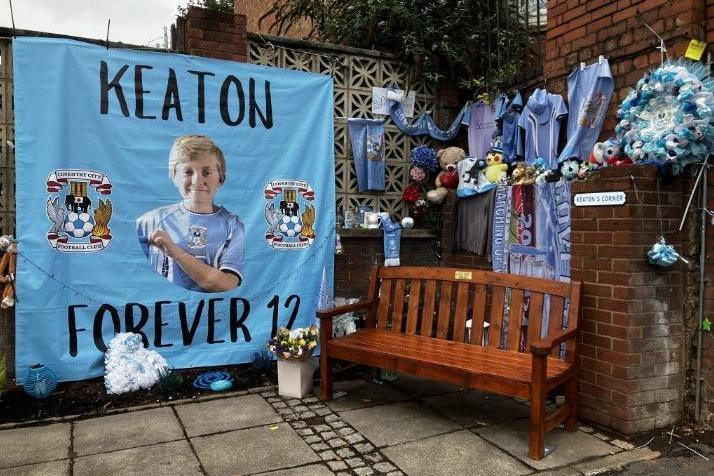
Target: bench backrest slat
[535,318]
[462,300]
[478,313]
[514,320]
[512,310]
[413,309]
[497,304]
[398,312]
[555,319]
[427,315]
[384,301]
[442,325]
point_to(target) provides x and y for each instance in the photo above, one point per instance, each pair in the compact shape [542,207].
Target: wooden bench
[416,323]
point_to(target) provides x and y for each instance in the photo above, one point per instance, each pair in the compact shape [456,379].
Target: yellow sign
[695,50]
[462,275]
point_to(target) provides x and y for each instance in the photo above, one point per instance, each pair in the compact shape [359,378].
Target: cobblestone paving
[340,446]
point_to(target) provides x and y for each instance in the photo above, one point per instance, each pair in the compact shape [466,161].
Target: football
[78,225]
[290,226]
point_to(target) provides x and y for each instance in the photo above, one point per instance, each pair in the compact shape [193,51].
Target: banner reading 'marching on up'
[188,200]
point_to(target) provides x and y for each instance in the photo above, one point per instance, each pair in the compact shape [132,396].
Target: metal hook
[661,47]
[634,185]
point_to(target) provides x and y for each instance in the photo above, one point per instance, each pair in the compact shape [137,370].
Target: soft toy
[569,169]
[496,169]
[448,160]
[529,176]
[518,173]
[7,270]
[448,177]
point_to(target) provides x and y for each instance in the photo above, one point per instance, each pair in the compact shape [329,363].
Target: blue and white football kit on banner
[217,239]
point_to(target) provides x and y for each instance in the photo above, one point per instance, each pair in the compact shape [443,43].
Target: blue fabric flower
[425,157]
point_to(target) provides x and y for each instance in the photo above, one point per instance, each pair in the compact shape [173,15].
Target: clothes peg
[599,59]
[582,66]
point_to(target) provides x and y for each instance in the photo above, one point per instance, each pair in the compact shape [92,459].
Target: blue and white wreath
[667,119]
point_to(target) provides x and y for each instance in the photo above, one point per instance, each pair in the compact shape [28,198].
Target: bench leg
[325,377]
[536,440]
[571,399]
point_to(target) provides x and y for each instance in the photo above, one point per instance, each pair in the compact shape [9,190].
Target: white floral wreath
[667,118]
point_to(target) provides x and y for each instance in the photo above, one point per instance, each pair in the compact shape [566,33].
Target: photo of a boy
[195,243]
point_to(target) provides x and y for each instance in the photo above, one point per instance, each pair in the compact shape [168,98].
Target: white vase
[295,377]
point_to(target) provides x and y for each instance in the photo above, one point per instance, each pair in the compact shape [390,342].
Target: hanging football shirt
[541,119]
[481,119]
[367,137]
[589,93]
[509,127]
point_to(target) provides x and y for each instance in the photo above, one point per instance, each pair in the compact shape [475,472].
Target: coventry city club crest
[290,214]
[79,217]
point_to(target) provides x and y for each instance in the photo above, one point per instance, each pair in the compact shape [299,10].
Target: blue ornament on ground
[204,381]
[221,385]
[40,381]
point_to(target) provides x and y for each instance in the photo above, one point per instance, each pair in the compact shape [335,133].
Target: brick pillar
[707,395]
[214,34]
[633,355]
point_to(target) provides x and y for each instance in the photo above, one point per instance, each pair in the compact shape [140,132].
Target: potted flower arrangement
[293,349]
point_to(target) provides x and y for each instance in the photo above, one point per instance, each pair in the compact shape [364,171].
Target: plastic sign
[380,105]
[695,50]
[599,199]
[463,275]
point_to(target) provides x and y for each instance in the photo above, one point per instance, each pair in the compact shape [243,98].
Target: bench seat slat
[507,365]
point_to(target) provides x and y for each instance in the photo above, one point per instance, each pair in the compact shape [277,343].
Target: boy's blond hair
[192,147]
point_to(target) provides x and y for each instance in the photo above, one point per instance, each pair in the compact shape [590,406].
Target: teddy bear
[7,270]
[518,173]
[496,169]
[448,177]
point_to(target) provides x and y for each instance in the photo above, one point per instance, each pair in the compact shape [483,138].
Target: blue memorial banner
[186,199]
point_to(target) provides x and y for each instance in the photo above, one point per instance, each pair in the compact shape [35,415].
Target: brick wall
[363,248]
[254,10]
[633,323]
[582,30]
[212,34]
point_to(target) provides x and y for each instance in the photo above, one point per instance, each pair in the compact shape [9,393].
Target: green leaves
[449,39]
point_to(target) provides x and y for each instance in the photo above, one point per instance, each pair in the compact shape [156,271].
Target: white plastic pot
[295,378]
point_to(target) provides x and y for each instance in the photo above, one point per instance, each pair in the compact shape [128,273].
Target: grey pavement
[406,427]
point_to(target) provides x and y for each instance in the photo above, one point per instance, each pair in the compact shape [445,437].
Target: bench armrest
[336,311]
[544,346]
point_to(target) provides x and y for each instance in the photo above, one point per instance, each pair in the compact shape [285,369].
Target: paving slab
[461,452]
[254,450]
[361,394]
[617,461]
[53,468]
[570,447]
[167,459]
[472,407]
[396,423]
[226,414]
[414,386]
[126,430]
[310,470]
[21,446]
[690,465]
